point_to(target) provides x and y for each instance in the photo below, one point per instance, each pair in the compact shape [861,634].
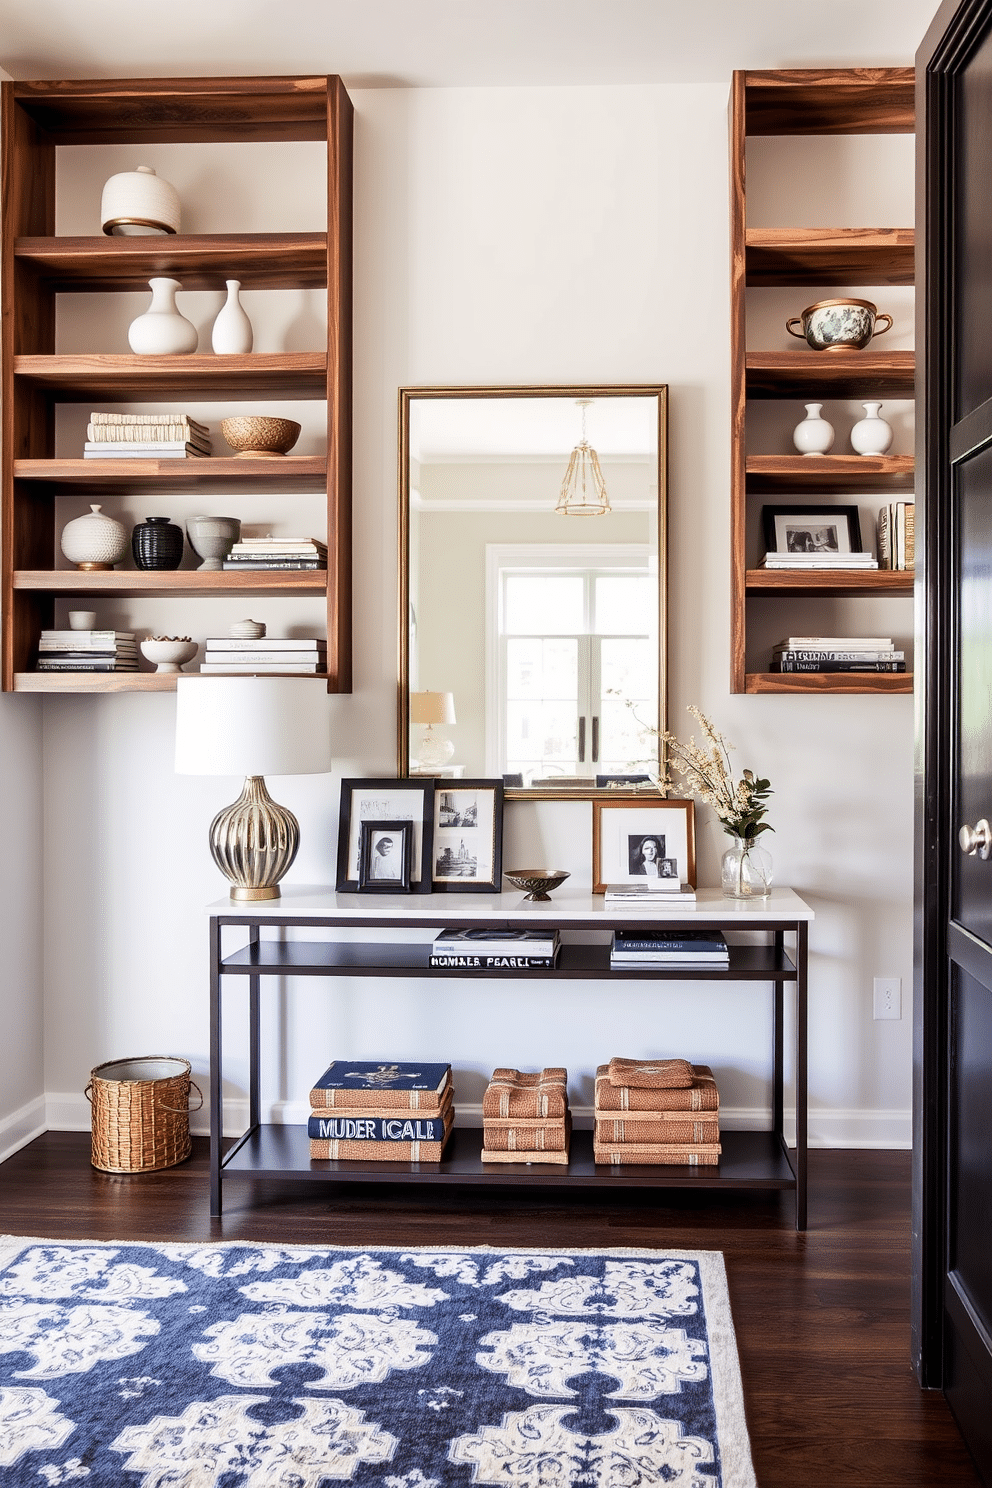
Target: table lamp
[252,726]
[431,708]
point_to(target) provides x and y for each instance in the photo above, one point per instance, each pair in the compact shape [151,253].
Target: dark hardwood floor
[822,1318]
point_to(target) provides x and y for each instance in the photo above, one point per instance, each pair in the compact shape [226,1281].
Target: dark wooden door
[954,940]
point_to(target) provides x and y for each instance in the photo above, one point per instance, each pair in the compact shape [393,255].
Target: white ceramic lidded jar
[139,204]
[94,541]
[161,330]
[871,435]
[814,435]
[232,333]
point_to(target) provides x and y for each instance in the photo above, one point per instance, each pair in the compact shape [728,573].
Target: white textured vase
[139,204]
[94,541]
[162,331]
[232,334]
[814,435]
[871,435]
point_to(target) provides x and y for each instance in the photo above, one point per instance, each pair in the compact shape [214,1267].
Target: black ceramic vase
[157,543]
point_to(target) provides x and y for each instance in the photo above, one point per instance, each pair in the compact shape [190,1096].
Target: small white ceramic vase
[139,204]
[162,331]
[871,435]
[247,630]
[94,541]
[814,435]
[232,334]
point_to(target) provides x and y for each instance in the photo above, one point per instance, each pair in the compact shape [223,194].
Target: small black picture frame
[385,857]
[805,527]
[381,801]
[467,853]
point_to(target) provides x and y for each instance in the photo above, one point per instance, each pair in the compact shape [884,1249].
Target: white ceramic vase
[232,334]
[94,541]
[871,435]
[139,204]
[814,435]
[162,331]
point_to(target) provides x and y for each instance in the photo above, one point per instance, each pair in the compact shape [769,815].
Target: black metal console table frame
[750,1160]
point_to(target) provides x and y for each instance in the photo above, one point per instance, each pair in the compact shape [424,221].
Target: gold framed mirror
[533,586]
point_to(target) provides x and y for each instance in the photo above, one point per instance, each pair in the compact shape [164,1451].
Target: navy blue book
[679,943]
[360,1082]
[407,1128]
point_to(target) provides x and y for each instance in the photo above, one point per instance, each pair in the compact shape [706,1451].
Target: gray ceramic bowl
[537,881]
[839,325]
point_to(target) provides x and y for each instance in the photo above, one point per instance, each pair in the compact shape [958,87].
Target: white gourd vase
[814,435]
[232,334]
[871,435]
[94,541]
[162,331]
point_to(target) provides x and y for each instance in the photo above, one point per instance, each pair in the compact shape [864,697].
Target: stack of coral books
[381,1112]
[525,1117]
[657,1111]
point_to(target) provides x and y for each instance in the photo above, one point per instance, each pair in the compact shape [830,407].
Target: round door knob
[976,839]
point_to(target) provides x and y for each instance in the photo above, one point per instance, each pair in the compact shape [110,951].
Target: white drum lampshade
[252,726]
[430,708]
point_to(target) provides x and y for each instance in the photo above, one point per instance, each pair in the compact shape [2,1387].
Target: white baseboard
[827,1128]
[22,1126]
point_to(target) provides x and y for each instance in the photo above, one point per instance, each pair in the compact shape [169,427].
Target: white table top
[319,903]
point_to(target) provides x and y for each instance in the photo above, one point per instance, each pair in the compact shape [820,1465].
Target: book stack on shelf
[658,1112]
[145,436]
[260,554]
[678,948]
[828,560]
[381,1112]
[506,950]
[668,892]
[525,1117]
[897,535]
[305,655]
[87,651]
[837,654]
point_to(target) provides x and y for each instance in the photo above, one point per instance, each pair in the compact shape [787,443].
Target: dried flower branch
[707,773]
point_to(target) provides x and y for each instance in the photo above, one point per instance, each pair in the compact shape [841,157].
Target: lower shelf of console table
[751,1160]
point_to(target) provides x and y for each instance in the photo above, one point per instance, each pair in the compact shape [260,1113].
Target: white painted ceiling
[455,43]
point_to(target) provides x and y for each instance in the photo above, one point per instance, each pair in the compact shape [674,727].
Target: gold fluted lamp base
[253,842]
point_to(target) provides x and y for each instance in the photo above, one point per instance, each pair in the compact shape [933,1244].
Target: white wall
[538,235]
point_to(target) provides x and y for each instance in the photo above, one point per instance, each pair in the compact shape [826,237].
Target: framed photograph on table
[468,836]
[384,803]
[803,527]
[636,841]
[385,856]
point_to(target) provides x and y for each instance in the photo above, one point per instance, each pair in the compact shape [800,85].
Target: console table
[750,1159]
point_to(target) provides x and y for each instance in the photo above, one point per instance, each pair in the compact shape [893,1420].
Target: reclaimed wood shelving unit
[856,101]
[38,117]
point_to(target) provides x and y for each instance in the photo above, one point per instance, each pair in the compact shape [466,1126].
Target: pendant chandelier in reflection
[583,491]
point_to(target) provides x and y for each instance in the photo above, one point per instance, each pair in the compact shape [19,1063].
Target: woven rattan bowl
[536,882]
[256,436]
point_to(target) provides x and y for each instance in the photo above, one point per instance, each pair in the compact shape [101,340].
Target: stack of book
[87,651]
[525,1117]
[506,950]
[145,436]
[654,891]
[381,1112]
[258,554]
[675,948]
[663,1111]
[897,535]
[829,559]
[837,654]
[303,654]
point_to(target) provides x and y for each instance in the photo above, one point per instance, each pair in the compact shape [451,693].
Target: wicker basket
[140,1114]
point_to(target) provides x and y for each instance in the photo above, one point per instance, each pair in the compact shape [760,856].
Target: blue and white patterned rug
[242,1365]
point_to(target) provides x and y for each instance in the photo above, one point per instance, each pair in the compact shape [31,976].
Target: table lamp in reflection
[252,726]
[431,708]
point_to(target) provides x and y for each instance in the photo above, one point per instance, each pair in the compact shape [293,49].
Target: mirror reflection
[532,584]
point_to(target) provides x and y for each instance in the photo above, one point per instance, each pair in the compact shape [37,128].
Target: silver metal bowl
[537,881]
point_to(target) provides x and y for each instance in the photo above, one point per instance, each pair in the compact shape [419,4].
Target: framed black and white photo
[384,803]
[637,841]
[468,836]
[811,528]
[385,855]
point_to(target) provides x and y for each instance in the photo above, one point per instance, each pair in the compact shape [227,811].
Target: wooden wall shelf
[120,681]
[37,266]
[812,102]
